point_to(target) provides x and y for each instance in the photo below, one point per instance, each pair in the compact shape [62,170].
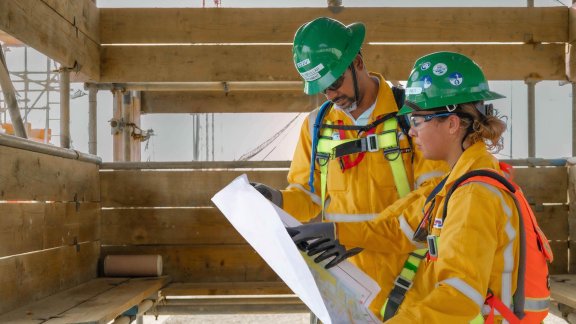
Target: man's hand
[324,242]
[275,196]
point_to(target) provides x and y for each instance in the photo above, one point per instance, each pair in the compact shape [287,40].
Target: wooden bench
[99,300]
[563,290]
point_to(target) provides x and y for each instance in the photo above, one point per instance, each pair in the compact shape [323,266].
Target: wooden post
[135,142]
[92,114]
[64,107]
[117,147]
[572,218]
[10,98]
[531,117]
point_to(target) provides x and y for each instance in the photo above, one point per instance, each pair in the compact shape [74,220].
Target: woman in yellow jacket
[474,249]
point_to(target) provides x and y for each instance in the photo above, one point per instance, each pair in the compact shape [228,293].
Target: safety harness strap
[402,284]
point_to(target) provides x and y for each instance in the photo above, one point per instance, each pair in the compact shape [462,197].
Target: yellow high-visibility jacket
[360,193]
[477,251]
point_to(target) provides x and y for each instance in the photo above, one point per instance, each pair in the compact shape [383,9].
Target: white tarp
[338,295]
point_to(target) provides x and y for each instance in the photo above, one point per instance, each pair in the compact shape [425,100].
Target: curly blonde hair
[488,129]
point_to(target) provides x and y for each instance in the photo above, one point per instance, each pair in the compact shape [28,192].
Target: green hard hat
[323,49]
[445,78]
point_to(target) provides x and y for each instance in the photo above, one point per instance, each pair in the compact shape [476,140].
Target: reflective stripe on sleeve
[427,176]
[407,230]
[347,218]
[465,289]
[315,198]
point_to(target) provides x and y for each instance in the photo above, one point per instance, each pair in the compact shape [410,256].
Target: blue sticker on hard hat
[455,79]
[414,76]
[426,81]
[440,69]
[425,66]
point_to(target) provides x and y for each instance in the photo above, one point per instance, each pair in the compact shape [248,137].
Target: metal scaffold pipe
[10,98]
[64,108]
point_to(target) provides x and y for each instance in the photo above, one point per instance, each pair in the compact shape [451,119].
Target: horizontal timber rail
[204,86]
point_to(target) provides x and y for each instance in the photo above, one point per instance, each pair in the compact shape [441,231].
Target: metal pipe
[205,86]
[20,143]
[10,98]
[64,108]
[531,118]
[92,118]
[127,117]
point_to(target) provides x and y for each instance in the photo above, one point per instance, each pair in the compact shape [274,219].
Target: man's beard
[348,109]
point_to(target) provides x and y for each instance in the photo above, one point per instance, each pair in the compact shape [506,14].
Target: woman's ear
[454,124]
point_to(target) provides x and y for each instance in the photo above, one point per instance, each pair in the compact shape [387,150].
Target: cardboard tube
[133,265]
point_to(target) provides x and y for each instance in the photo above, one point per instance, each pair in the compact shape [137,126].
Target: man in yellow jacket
[361,160]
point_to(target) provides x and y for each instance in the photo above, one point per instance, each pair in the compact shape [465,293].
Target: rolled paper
[133,266]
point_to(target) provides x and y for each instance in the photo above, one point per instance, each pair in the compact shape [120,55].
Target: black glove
[325,242]
[275,196]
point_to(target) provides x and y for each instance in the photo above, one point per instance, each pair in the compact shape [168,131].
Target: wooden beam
[31,227]
[40,26]
[9,40]
[553,190]
[226,288]
[233,102]
[83,14]
[174,188]
[274,63]
[29,175]
[29,277]
[259,25]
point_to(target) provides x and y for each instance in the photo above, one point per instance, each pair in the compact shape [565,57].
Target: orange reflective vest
[532,297]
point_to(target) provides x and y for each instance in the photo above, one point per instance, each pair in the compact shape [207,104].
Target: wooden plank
[233,305]
[563,289]
[553,220]
[40,226]
[82,14]
[560,264]
[174,188]
[196,165]
[167,226]
[543,185]
[205,263]
[278,25]
[58,303]
[39,26]
[572,217]
[233,102]
[226,288]
[29,277]
[106,306]
[29,175]
[274,63]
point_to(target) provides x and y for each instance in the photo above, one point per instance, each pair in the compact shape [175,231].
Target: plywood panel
[174,188]
[28,175]
[167,226]
[39,26]
[258,25]
[205,263]
[31,227]
[274,63]
[233,102]
[29,277]
[543,185]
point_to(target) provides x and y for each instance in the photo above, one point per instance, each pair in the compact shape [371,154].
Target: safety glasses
[336,84]
[417,120]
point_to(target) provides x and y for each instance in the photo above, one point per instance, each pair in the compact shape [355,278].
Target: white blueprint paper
[338,295]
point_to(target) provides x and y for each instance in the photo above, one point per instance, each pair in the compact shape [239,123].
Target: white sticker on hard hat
[456,79]
[440,69]
[425,66]
[303,63]
[312,74]
[426,81]
[414,76]
[413,90]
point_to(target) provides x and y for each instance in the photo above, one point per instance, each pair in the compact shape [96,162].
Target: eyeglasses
[417,120]
[336,84]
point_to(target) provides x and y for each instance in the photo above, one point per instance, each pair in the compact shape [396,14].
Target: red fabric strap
[495,303]
[345,161]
